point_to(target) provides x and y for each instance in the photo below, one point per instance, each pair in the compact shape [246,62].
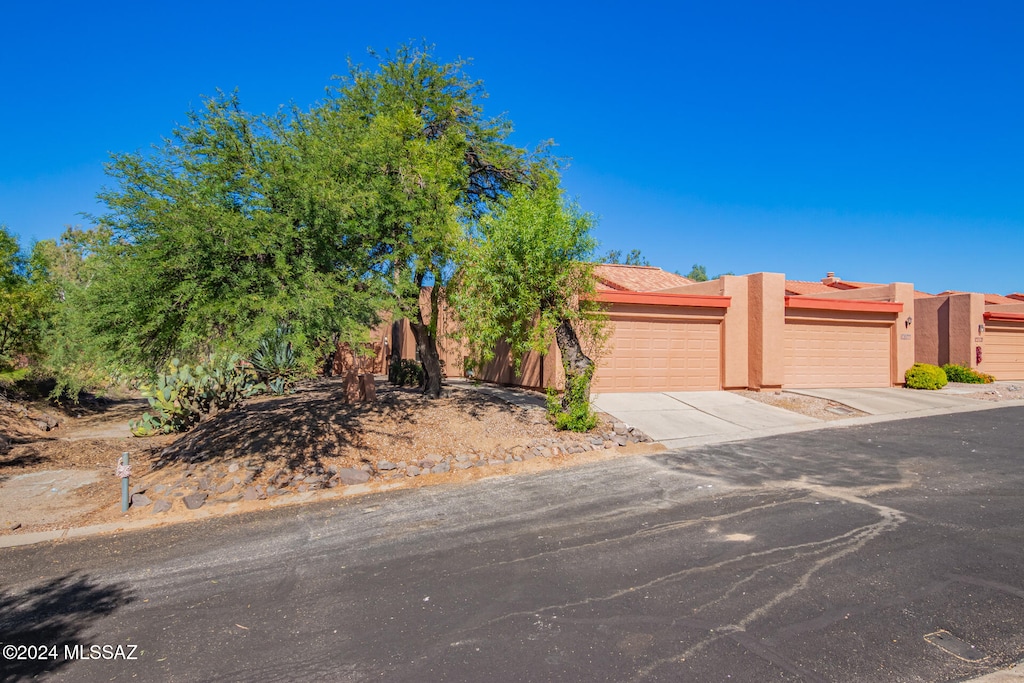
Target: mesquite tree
[526,277]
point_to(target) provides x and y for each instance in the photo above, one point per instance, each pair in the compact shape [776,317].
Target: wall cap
[664,299]
[858,305]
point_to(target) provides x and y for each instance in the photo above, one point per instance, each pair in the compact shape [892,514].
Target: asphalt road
[821,556]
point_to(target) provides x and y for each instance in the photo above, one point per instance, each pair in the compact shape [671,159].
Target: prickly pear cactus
[183,396]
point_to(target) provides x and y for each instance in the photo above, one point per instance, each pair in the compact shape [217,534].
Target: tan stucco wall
[966,316]
[766,310]
[931,330]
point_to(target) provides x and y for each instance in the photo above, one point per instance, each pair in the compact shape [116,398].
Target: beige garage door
[661,355]
[1004,350]
[819,354]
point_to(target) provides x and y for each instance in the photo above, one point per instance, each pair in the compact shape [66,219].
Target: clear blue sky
[880,140]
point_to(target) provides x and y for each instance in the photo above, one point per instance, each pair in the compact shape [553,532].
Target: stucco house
[759,331]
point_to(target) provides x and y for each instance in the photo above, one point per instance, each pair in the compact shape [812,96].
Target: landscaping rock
[162,506]
[350,476]
[412,471]
[195,501]
[386,465]
[251,493]
[621,440]
[233,467]
[225,487]
[140,500]
[464,465]
[620,428]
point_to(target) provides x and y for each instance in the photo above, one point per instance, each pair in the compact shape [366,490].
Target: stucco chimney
[830,279]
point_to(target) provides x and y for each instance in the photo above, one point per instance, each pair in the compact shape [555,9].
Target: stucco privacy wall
[949,328]
[767,316]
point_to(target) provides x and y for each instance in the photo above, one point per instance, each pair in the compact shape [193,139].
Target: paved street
[881,552]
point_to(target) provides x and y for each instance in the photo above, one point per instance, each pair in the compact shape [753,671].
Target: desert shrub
[966,375]
[405,373]
[184,395]
[925,376]
[274,360]
[572,411]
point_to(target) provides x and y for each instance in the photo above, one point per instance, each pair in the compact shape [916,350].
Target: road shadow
[56,613]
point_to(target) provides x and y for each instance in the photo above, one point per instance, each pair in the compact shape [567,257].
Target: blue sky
[880,140]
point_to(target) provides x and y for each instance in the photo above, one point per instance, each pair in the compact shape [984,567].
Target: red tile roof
[848,284]
[990,299]
[614,276]
[803,287]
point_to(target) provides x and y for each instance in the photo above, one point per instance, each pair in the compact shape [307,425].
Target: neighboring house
[981,331]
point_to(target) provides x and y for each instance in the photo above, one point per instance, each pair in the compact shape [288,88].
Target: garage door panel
[1004,350]
[820,354]
[661,355]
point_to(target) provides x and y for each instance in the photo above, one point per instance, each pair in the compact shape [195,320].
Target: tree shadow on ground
[54,613]
[315,423]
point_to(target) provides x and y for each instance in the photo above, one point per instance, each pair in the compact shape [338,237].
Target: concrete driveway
[682,418]
[889,400]
[690,418]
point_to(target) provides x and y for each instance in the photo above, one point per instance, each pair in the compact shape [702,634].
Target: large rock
[140,500]
[194,501]
[162,506]
[350,476]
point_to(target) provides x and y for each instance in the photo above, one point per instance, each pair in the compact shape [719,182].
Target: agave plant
[274,360]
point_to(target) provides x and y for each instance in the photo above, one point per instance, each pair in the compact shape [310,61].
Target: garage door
[819,354]
[660,355]
[1004,350]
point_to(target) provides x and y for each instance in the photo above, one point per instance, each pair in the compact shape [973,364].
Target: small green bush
[404,373]
[925,376]
[576,416]
[965,375]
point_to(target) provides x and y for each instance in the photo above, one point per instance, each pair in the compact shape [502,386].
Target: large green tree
[399,160]
[527,277]
[26,298]
[212,248]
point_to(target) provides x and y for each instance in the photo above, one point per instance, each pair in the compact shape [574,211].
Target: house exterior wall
[766,314]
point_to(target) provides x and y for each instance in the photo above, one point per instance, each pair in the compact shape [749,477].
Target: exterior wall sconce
[908,321]
[981,328]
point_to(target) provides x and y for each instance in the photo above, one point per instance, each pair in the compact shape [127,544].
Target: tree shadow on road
[55,613]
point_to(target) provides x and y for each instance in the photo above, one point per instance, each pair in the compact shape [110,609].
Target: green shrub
[184,395]
[404,373]
[575,415]
[925,376]
[965,375]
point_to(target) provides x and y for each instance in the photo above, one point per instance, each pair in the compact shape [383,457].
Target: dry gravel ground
[251,456]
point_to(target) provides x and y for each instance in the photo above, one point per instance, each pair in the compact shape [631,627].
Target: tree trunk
[577,365]
[426,346]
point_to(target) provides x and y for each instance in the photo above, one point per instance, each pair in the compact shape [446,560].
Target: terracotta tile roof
[613,276]
[803,287]
[997,299]
[990,299]
[1016,296]
[847,284]
[921,295]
